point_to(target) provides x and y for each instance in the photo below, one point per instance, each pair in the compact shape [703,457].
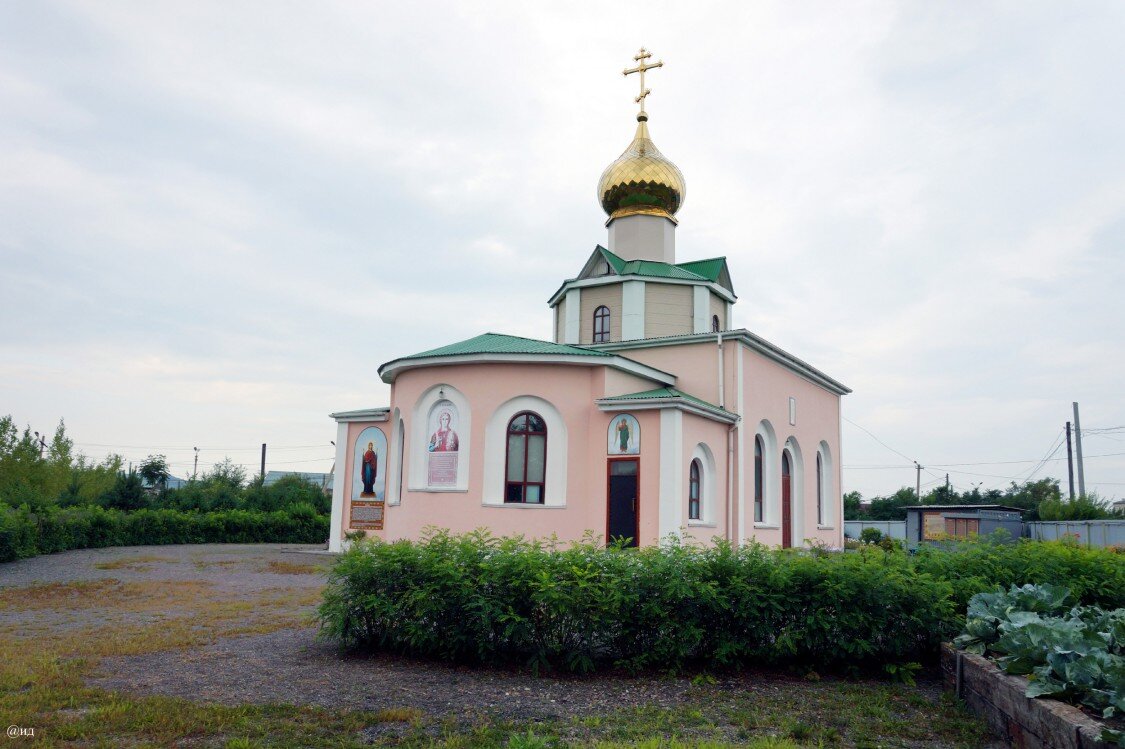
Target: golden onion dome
[642,180]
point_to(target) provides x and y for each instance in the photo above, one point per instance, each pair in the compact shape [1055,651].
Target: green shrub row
[474,598]
[26,533]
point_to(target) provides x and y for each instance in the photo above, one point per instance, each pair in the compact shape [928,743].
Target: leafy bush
[25,532]
[1094,576]
[871,535]
[1072,653]
[476,598]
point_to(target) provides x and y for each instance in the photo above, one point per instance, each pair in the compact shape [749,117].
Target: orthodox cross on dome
[642,66]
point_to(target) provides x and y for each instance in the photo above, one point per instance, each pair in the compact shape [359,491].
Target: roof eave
[362,414]
[389,371]
[682,404]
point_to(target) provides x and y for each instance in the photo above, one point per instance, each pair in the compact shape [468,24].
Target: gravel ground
[291,666]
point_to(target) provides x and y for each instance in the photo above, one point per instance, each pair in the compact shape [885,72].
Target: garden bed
[999,698]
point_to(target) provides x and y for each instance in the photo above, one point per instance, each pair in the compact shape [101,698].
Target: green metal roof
[697,270]
[497,343]
[710,269]
[666,393]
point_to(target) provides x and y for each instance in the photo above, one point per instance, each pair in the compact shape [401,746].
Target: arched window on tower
[694,486]
[714,323]
[759,449]
[601,324]
[526,463]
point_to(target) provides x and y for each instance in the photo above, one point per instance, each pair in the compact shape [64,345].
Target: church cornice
[582,283]
[750,340]
[389,371]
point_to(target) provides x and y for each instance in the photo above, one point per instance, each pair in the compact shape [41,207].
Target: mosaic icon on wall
[624,435]
[369,476]
[369,480]
[444,444]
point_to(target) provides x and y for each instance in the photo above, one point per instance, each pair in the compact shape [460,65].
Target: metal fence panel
[892,528]
[1100,533]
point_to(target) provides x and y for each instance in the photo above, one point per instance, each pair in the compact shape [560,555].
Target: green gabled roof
[497,343]
[664,394]
[696,270]
[710,269]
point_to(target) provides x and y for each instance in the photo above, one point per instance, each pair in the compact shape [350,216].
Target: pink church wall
[696,430]
[767,389]
[572,390]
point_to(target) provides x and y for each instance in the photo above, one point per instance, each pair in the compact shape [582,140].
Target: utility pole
[918,482]
[1078,450]
[1069,461]
[41,440]
[263,461]
[947,483]
[195,470]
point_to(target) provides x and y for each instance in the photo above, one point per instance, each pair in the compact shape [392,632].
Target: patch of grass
[398,715]
[110,593]
[134,563]
[292,568]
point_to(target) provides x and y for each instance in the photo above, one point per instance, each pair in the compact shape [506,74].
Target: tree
[891,508]
[154,470]
[851,506]
[226,474]
[1083,507]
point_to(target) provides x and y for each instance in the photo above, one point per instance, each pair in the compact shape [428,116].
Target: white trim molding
[701,310]
[771,477]
[496,451]
[397,449]
[829,497]
[339,481]
[419,440]
[572,328]
[709,476]
[582,283]
[389,371]
[749,340]
[363,414]
[796,492]
[672,488]
[632,310]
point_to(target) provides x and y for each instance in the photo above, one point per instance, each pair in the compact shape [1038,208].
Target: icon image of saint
[444,440]
[623,434]
[369,470]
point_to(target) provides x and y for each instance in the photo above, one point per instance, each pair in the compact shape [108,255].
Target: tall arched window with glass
[758,450]
[694,486]
[714,323]
[601,324]
[819,490]
[526,465]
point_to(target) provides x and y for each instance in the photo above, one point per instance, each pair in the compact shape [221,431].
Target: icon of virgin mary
[369,469]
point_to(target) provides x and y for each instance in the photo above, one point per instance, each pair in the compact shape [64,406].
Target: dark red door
[786,503]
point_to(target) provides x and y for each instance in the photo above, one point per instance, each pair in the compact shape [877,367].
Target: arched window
[601,324]
[819,490]
[526,466]
[758,450]
[694,490]
[714,323]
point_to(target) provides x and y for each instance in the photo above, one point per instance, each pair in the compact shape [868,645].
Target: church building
[645,415]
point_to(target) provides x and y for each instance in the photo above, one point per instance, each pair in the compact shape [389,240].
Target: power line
[881,442]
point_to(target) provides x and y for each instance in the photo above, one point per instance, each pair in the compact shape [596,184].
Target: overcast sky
[218,219]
